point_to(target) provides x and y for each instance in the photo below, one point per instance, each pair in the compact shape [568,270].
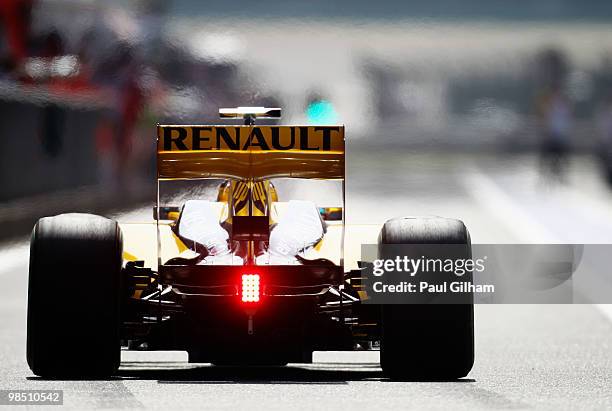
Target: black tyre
[74,297]
[427,341]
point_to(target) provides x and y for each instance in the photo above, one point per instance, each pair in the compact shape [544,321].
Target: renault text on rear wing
[198,151]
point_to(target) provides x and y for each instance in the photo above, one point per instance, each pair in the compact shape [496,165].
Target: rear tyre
[427,341]
[74,295]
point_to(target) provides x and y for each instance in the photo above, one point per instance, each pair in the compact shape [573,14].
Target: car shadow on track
[330,373]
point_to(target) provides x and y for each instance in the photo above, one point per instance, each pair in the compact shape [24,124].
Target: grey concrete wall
[28,166]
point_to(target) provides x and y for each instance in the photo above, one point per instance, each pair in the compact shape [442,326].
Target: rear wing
[250,152]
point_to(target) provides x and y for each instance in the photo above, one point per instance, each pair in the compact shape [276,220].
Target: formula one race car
[248,262]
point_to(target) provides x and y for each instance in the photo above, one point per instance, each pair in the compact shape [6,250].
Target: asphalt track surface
[527,356]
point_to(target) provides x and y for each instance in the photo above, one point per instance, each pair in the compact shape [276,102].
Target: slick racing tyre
[427,341]
[74,297]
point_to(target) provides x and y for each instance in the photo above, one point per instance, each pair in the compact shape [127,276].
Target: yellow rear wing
[250,152]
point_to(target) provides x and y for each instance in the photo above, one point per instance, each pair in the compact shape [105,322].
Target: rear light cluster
[250,288]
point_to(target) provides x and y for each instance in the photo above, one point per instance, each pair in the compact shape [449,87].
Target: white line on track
[606,310]
[13,257]
[509,212]
[488,195]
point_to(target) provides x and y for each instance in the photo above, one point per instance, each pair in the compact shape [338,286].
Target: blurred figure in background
[554,115]
[15,20]
[115,132]
[54,115]
[131,101]
[604,121]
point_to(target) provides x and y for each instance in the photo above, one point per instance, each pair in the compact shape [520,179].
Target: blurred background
[444,102]
[495,112]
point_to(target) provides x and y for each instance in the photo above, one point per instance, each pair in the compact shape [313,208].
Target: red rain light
[250,288]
